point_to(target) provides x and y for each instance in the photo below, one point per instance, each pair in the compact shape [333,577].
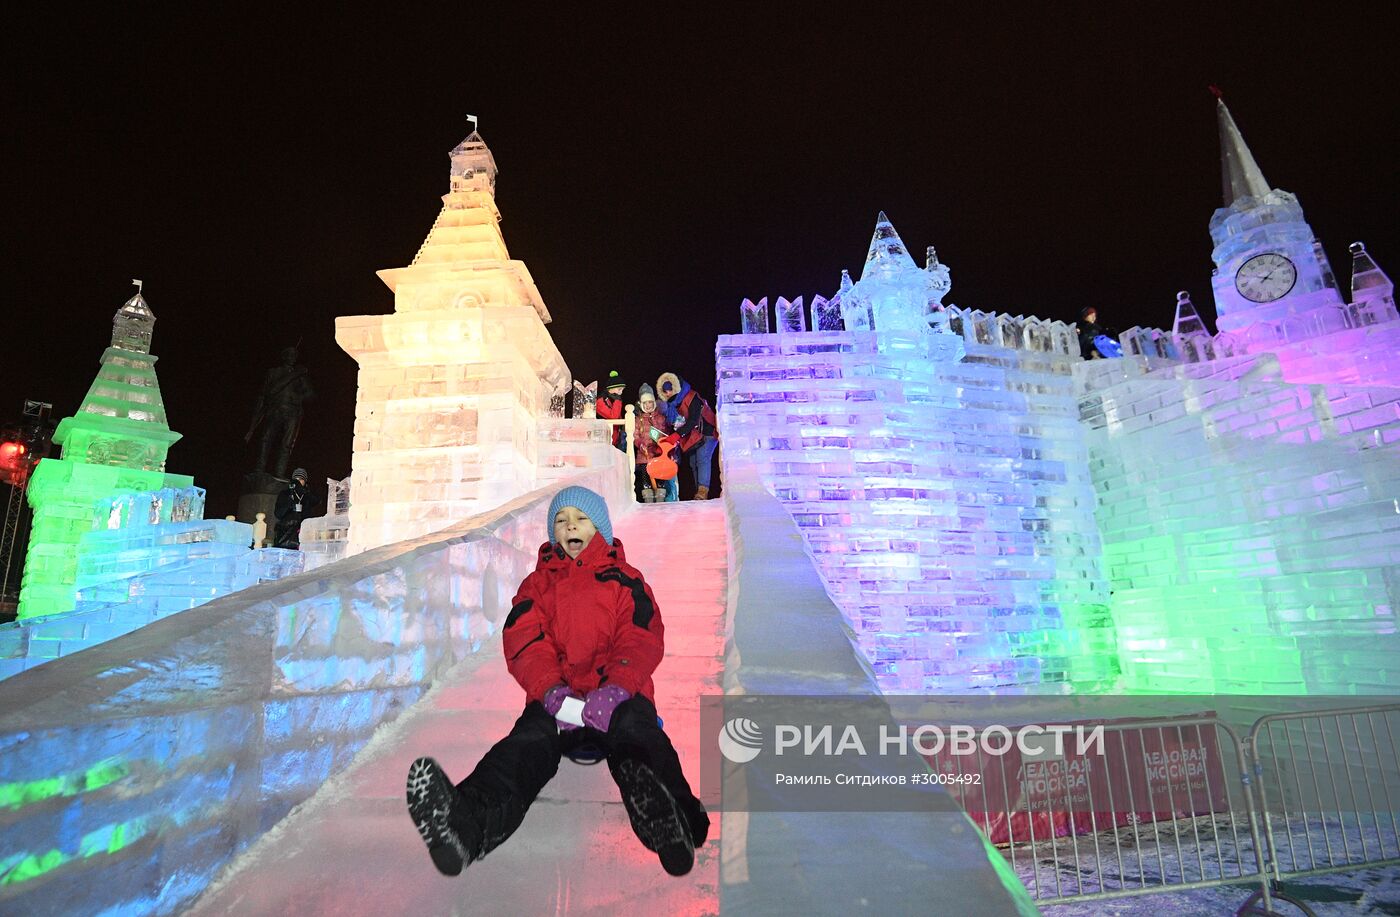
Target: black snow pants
[509,776]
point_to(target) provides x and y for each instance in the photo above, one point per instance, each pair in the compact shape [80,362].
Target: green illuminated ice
[115,443]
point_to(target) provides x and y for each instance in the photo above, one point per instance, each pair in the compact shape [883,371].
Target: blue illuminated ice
[895,297]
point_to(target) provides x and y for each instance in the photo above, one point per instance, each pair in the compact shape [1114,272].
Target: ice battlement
[996,329]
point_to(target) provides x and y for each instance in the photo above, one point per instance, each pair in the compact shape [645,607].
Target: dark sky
[256,164]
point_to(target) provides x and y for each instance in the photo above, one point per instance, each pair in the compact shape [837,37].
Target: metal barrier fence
[1327,784]
[1185,803]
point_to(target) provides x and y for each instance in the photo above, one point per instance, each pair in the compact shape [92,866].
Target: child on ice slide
[584,626]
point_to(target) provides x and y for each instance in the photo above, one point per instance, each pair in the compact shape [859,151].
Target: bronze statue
[285,390]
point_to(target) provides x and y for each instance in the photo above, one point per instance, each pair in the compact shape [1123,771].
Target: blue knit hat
[588,503]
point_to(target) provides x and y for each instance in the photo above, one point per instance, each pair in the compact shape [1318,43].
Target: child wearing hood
[694,421]
[582,639]
[651,426]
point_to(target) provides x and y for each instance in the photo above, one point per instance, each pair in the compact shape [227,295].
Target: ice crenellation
[1362,334]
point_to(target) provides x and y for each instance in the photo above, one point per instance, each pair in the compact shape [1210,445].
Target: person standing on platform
[651,427]
[694,421]
[293,505]
[610,406]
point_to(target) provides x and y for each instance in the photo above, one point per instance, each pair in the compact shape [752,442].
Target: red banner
[1142,773]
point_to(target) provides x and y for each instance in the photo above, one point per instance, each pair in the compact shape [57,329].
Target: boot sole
[430,797]
[656,818]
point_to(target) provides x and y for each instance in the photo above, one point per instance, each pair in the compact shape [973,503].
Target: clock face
[1266,277]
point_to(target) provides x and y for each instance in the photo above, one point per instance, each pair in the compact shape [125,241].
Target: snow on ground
[1208,848]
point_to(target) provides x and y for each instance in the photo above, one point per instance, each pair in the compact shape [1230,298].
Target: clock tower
[1269,267]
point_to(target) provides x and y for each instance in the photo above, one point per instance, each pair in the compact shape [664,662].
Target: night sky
[256,164]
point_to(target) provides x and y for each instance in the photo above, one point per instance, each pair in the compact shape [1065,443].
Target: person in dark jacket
[694,421]
[1089,331]
[582,639]
[293,505]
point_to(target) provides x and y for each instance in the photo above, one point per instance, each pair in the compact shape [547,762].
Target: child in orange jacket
[583,638]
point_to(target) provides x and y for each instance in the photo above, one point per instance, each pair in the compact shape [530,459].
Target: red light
[13,467]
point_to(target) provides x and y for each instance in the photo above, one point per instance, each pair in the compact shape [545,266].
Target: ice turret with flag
[116,443]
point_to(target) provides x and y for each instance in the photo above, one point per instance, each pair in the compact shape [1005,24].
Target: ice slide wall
[786,636]
[131,772]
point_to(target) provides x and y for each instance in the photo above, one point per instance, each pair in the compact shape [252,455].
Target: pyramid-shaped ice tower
[115,443]
[454,381]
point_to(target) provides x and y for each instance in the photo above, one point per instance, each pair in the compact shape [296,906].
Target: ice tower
[895,297]
[115,443]
[1269,267]
[454,381]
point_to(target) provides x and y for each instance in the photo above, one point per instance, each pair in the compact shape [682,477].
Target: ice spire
[134,324]
[939,279]
[1188,320]
[887,253]
[473,166]
[1368,281]
[1239,173]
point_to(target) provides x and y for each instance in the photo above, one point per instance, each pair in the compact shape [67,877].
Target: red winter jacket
[609,408]
[583,622]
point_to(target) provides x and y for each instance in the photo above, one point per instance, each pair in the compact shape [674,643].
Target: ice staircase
[351,849]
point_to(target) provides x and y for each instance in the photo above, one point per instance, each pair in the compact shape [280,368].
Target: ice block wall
[568,447]
[148,555]
[1349,343]
[455,380]
[1250,525]
[131,773]
[948,505]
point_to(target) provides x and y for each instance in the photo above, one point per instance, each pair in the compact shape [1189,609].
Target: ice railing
[136,769]
[994,329]
[324,539]
[786,636]
[149,508]
[1261,337]
[1020,332]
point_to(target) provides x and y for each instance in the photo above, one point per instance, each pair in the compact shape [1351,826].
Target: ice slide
[353,850]
[158,773]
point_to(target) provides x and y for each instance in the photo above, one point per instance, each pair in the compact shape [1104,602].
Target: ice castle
[981,508]
[1206,514]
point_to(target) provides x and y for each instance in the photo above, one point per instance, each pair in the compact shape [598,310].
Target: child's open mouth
[575,542]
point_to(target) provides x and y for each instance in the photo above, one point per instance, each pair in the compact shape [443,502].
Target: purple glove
[600,703]
[554,699]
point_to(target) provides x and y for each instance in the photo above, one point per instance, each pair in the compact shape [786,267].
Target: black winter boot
[436,809]
[656,819]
